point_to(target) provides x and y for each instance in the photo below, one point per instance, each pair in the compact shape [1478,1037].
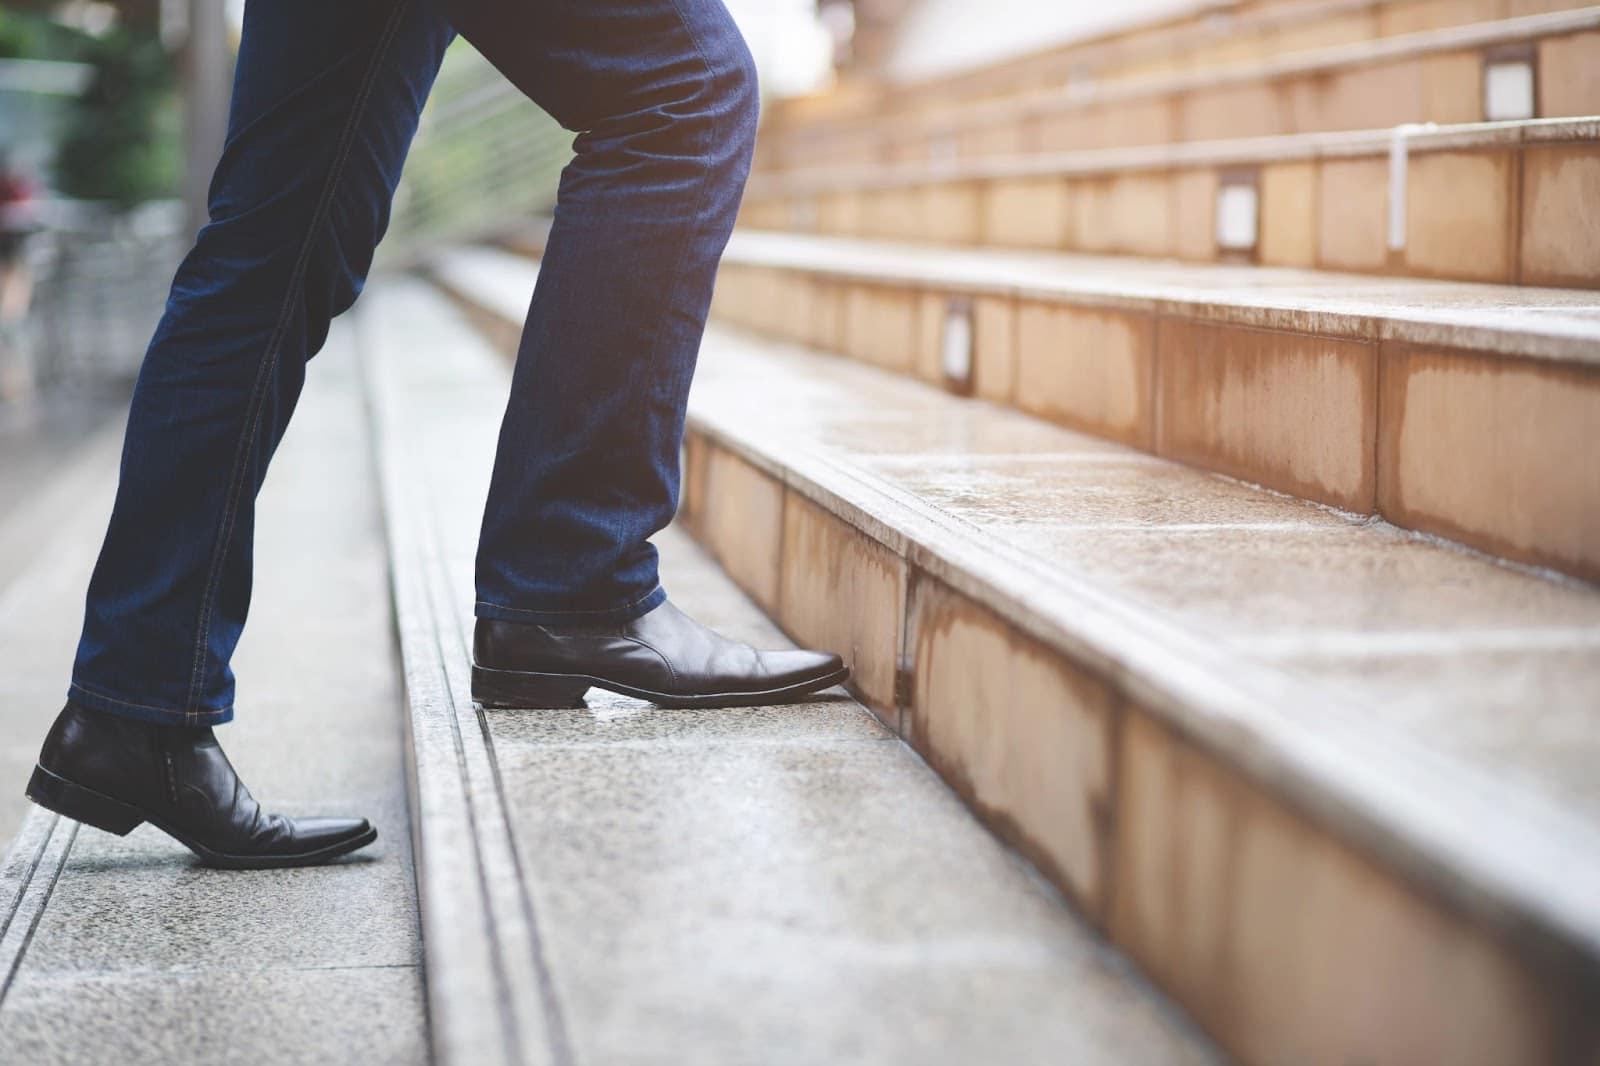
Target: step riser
[1285,941]
[1443,84]
[1473,446]
[1506,213]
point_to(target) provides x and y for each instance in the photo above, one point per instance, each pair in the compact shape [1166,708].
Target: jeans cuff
[626,613]
[141,711]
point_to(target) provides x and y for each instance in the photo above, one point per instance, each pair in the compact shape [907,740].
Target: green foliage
[27,35]
[123,140]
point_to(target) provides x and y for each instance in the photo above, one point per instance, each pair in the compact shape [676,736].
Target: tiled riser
[1283,940]
[1511,215]
[1444,87]
[1475,447]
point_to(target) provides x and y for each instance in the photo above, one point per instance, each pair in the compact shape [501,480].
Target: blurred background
[112,114]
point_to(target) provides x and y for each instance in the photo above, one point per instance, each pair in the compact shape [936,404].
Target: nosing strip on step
[28,876]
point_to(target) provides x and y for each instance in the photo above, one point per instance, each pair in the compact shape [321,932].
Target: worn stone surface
[1561,215]
[1459,215]
[1289,944]
[1224,615]
[1292,413]
[775,884]
[1025,738]
[702,873]
[1093,370]
[142,949]
[1526,432]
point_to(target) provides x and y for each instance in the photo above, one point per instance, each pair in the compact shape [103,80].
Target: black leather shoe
[114,773]
[665,657]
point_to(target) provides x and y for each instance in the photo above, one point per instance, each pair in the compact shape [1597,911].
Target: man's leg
[664,95]
[325,103]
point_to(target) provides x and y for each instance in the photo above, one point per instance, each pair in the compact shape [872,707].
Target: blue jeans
[326,99]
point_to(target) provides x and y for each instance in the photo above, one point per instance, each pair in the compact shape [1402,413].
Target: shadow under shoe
[114,773]
[663,656]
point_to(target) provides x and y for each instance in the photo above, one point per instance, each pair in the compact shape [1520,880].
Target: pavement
[133,953]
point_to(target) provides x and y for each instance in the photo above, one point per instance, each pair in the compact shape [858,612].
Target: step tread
[664,858]
[1516,321]
[1373,674]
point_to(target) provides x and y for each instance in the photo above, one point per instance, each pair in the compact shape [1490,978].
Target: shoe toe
[798,667]
[318,833]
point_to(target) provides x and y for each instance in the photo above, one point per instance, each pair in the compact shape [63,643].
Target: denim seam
[598,610]
[255,405]
[81,687]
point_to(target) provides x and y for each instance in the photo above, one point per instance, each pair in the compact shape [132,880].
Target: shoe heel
[56,793]
[527,691]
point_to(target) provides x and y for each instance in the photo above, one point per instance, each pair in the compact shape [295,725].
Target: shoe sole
[527,690]
[55,793]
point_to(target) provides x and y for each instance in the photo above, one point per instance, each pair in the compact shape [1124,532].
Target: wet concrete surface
[141,955]
[785,884]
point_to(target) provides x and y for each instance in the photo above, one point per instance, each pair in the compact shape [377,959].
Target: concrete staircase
[1267,748]
[624,884]
[1202,477]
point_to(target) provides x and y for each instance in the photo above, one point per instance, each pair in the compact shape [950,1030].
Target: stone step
[1328,782]
[124,949]
[620,883]
[1506,202]
[1198,37]
[1460,410]
[1534,66]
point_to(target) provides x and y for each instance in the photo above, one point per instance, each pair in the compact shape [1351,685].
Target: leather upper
[181,775]
[663,650]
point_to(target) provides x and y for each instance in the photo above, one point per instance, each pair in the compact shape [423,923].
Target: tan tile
[1289,946]
[1088,369]
[1248,110]
[828,319]
[881,325]
[1004,137]
[1023,736]
[1026,213]
[1452,88]
[741,521]
[1068,130]
[951,213]
[1569,75]
[1353,214]
[890,214]
[1435,14]
[1133,122]
[1195,196]
[1458,215]
[1089,211]
[1325,32]
[840,214]
[994,348]
[932,309]
[1289,411]
[1141,214]
[1361,98]
[842,591]
[1499,453]
[793,316]
[1288,226]
[1561,215]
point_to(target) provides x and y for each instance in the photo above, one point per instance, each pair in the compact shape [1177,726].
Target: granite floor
[140,955]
